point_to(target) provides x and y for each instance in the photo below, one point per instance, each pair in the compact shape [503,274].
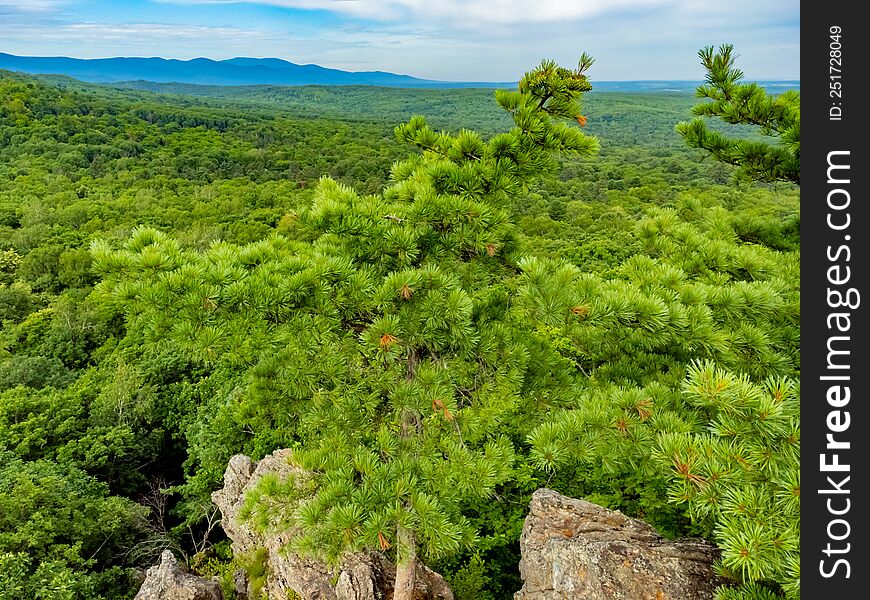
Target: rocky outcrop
[360,576]
[168,581]
[573,549]
[372,577]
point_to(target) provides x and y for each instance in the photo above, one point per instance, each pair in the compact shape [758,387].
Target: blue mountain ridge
[234,71]
[275,71]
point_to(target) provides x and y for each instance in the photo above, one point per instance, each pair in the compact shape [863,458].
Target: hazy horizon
[767,79]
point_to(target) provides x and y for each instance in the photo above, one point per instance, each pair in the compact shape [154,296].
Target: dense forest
[437,318]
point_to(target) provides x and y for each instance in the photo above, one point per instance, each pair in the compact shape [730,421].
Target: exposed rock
[168,581]
[240,584]
[573,549]
[372,577]
[360,576]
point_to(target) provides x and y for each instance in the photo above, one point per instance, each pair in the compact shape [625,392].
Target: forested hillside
[570,297]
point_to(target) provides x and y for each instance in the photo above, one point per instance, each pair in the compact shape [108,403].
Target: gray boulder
[169,581]
[573,549]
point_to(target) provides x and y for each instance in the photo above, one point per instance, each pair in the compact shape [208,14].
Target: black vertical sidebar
[835,300]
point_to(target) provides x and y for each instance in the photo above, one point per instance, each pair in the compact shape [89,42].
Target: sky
[452,40]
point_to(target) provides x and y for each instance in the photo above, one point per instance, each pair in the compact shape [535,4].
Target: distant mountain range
[234,71]
[275,71]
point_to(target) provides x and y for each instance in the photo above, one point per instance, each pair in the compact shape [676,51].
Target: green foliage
[254,564]
[34,372]
[743,475]
[16,301]
[61,533]
[700,294]
[486,317]
[746,103]
[9,263]
[470,582]
[218,563]
[410,362]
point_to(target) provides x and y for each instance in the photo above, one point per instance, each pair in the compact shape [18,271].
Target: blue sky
[461,40]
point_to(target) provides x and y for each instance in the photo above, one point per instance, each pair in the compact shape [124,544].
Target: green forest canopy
[169,266]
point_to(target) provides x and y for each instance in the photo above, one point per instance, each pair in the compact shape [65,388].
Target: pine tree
[743,475]
[746,103]
[385,335]
[690,353]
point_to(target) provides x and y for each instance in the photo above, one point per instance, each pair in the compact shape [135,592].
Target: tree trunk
[406,540]
[406,564]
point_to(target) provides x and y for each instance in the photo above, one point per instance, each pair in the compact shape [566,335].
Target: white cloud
[469,13]
[97,40]
[477,40]
[30,5]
